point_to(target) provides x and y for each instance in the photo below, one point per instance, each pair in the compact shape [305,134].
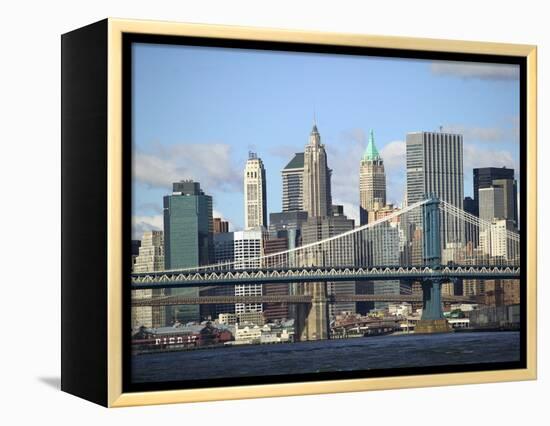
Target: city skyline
[166,146]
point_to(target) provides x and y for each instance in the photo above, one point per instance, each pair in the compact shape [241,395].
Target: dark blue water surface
[367,353]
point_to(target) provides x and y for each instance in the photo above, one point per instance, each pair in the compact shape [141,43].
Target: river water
[367,353]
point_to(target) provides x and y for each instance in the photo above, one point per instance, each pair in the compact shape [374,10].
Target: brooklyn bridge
[444,244]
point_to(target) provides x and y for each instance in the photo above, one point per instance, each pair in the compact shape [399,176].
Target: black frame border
[130,38]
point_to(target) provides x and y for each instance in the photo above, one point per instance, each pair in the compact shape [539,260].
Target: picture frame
[97,201]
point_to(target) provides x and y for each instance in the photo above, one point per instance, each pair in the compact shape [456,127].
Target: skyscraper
[470,206]
[491,203]
[485,177]
[220,226]
[435,166]
[493,240]
[510,198]
[248,247]
[188,230]
[150,253]
[372,181]
[149,259]
[287,224]
[224,252]
[316,186]
[255,201]
[320,228]
[385,251]
[134,250]
[293,184]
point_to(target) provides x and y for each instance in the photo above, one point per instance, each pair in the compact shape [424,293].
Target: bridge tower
[312,322]
[432,320]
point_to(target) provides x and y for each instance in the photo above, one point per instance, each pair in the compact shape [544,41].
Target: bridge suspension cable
[394,240]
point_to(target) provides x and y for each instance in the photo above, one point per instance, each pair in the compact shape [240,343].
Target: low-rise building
[180,336]
[496,316]
[464,307]
[459,322]
[268,333]
[276,335]
[251,318]
[400,309]
[227,319]
[247,334]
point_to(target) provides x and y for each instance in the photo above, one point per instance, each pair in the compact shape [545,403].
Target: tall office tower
[316,186]
[275,311]
[293,184]
[134,250]
[220,225]
[320,228]
[150,258]
[384,249]
[224,252]
[150,253]
[435,166]
[493,240]
[288,225]
[485,177]
[224,247]
[491,203]
[372,181]
[255,201]
[470,206]
[248,247]
[510,198]
[281,223]
[188,230]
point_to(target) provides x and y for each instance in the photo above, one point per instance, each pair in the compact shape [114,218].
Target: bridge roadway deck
[209,300]
[179,279]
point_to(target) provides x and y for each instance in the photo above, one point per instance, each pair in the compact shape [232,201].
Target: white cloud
[232,226]
[481,71]
[344,162]
[356,135]
[140,224]
[209,164]
[394,156]
[150,208]
[285,151]
[476,156]
[478,134]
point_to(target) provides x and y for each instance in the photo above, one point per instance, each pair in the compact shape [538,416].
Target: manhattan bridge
[430,242]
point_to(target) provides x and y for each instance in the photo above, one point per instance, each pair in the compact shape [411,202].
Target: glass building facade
[188,231]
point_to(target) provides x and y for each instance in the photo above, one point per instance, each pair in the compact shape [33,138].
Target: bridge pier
[432,320]
[312,322]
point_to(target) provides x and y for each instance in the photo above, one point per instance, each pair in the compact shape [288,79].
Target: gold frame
[116,27]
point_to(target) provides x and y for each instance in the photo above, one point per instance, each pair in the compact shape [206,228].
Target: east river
[367,353]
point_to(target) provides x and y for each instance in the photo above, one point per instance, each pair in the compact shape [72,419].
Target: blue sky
[197,112]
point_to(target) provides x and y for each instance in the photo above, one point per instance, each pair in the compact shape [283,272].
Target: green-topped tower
[372,181]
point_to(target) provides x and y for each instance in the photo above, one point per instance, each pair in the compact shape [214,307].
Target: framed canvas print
[255,212]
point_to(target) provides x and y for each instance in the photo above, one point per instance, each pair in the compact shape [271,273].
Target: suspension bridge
[431,242]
